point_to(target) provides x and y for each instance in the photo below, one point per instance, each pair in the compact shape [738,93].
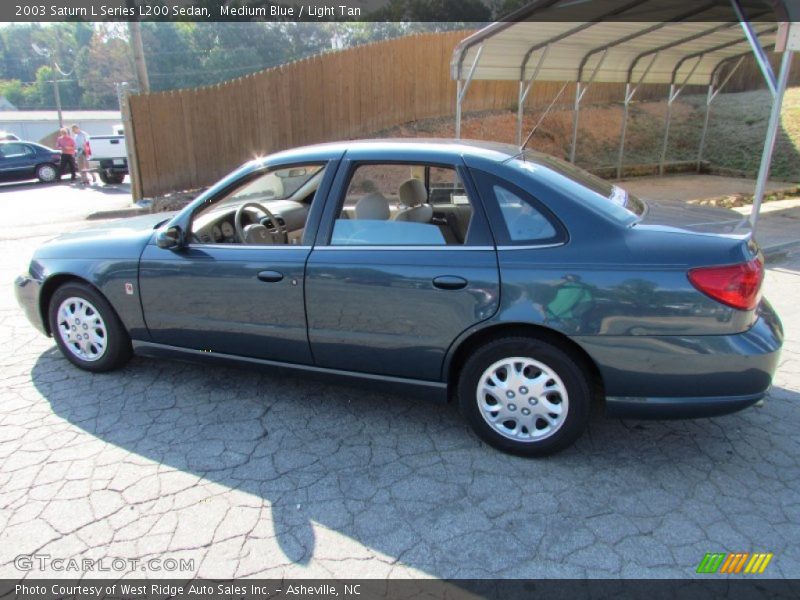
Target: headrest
[413,193]
[374,207]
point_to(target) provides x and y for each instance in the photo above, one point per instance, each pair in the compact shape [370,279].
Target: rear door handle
[450,282]
[270,276]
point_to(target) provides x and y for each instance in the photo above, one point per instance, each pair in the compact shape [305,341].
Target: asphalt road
[246,473]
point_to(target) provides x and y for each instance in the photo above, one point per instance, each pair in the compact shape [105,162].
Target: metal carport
[634,42]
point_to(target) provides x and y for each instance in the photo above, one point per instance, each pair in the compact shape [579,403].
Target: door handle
[270,276]
[449,282]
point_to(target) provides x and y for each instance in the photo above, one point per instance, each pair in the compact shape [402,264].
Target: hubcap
[522,399]
[47,173]
[82,329]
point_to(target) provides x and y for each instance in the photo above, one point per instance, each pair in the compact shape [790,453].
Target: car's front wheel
[46,173]
[87,330]
[525,396]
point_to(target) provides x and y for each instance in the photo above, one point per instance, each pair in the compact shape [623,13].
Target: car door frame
[337,196]
[229,185]
[348,165]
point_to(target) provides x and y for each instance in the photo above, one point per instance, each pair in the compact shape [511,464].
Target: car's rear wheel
[46,173]
[87,330]
[525,396]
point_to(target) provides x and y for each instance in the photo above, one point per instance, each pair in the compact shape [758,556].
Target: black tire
[117,349]
[562,363]
[47,173]
[111,178]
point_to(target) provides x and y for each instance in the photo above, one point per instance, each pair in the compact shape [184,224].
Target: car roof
[431,147]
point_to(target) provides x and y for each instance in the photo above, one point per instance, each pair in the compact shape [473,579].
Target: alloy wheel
[522,399]
[82,329]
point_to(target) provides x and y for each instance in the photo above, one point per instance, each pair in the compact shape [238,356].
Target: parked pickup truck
[111,154]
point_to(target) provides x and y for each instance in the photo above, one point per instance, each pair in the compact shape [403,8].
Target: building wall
[43,130]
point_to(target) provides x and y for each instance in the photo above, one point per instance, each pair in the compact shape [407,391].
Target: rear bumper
[670,377]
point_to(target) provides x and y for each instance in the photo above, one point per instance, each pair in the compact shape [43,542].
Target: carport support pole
[772,136]
[624,131]
[458,109]
[520,111]
[712,94]
[709,99]
[576,116]
[666,130]
[462,87]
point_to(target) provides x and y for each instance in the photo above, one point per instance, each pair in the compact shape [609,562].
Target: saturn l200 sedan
[517,285]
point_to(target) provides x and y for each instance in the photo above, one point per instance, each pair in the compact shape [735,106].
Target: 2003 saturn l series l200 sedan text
[519,285]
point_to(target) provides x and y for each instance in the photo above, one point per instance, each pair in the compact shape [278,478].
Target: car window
[602,195]
[403,205]
[522,220]
[279,201]
[15,150]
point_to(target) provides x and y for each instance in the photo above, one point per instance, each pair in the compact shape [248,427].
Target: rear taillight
[738,286]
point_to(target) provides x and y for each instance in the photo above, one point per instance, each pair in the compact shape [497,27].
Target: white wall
[33,131]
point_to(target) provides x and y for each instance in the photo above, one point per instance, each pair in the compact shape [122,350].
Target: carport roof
[618,41]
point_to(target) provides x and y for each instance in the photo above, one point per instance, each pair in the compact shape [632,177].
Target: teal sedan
[517,285]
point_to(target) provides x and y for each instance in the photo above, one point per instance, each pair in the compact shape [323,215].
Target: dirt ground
[735,137]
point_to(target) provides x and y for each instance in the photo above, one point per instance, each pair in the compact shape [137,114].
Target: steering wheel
[277,228]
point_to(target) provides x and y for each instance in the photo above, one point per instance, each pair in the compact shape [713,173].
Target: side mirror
[170,238]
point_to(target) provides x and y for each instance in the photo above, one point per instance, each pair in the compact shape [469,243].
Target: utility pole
[135,32]
[54,71]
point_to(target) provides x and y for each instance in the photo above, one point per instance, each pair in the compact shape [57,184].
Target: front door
[246,301]
[394,283]
[237,286]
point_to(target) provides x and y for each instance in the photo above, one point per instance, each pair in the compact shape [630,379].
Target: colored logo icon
[734,562]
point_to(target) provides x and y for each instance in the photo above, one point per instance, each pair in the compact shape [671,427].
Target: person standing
[66,144]
[81,145]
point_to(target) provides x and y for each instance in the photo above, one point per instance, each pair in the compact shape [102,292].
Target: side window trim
[329,167]
[478,237]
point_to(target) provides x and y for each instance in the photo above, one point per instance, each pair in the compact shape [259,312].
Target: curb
[118,214]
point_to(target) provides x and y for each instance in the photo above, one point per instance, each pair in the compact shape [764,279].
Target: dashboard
[217,226]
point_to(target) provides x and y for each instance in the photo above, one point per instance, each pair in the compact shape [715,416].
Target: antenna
[541,118]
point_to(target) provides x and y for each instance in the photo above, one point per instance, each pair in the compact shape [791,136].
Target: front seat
[374,207]
[415,197]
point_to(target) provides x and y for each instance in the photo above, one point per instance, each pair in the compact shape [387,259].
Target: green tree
[106,63]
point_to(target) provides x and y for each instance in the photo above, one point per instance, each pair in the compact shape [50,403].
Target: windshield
[273,185]
[604,195]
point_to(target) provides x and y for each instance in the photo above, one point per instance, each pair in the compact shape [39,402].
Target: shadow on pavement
[406,478]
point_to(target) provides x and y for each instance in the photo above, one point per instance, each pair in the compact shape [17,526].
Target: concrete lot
[247,473]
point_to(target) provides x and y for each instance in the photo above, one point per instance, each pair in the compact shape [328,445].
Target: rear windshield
[601,194]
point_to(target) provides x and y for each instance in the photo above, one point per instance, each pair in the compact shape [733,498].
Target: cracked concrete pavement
[253,474]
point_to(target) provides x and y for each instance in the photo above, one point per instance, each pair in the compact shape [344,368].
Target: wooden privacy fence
[189,138]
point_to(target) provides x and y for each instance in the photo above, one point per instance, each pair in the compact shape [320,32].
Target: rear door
[387,293]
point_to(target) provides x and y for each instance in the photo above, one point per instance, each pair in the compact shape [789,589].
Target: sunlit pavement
[246,473]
